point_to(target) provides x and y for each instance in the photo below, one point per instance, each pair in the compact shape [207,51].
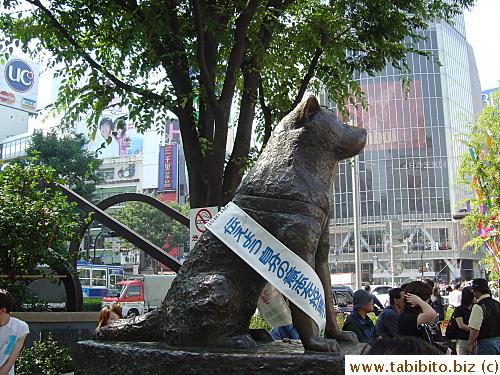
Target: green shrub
[340,319]
[91,304]
[44,357]
[256,321]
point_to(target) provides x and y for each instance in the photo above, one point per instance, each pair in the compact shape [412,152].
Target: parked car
[342,298]
[382,293]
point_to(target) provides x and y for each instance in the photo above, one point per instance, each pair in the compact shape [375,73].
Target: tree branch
[251,85]
[94,64]
[239,156]
[266,111]
[307,78]
[238,51]
[200,46]
[177,67]
[265,39]
[130,6]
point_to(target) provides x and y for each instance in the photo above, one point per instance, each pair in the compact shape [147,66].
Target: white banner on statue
[293,277]
[273,308]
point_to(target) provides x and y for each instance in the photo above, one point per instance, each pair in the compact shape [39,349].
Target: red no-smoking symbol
[202,217]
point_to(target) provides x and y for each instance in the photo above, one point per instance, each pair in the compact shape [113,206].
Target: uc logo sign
[19,75]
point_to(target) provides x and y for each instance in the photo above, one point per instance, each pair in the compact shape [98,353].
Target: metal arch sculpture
[73,287]
[127,197]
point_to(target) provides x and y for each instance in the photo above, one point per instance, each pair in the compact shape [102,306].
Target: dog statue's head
[321,127]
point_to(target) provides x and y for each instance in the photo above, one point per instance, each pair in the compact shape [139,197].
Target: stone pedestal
[151,358]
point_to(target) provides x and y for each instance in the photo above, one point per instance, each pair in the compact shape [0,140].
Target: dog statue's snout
[353,141]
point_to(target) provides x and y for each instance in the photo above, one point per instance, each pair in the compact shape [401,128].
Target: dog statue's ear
[304,110]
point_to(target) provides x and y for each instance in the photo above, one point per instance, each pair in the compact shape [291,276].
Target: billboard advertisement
[125,141]
[19,84]
[167,176]
[394,119]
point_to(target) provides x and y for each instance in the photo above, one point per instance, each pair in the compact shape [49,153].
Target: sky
[483,34]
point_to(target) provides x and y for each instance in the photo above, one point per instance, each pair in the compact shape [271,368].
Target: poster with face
[118,136]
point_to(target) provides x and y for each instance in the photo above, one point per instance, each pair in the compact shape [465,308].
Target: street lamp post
[393,229]
[87,243]
[391,242]
[422,262]
[95,245]
[356,219]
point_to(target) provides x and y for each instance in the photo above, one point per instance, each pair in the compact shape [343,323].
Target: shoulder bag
[452,328]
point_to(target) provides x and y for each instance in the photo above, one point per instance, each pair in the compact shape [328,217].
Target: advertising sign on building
[167,177]
[120,173]
[19,84]
[124,138]
[394,117]
[486,96]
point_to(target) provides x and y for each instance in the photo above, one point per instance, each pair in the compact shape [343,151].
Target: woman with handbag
[462,315]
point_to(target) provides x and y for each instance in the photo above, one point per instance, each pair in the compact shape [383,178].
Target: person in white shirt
[111,149]
[455,297]
[13,332]
[484,321]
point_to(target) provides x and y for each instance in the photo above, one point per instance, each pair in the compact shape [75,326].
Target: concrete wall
[67,328]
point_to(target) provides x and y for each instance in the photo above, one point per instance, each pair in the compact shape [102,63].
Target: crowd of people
[412,321]
[410,324]
[417,310]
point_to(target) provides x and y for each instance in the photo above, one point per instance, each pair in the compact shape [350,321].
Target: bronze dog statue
[288,192]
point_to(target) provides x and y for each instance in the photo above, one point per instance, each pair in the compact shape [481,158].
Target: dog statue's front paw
[321,344]
[345,336]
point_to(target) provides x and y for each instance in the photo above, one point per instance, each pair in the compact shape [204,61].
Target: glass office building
[407,170]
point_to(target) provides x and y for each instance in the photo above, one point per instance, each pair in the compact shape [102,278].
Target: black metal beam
[72,284]
[73,287]
[126,197]
[122,230]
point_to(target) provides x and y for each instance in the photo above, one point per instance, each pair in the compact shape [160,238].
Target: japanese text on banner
[293,277]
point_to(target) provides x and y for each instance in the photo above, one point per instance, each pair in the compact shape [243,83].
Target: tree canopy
[480,172]
[35,225]
[201,58]
[70,161]
[160,229]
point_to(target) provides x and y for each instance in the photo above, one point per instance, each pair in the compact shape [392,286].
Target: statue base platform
[151,358]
